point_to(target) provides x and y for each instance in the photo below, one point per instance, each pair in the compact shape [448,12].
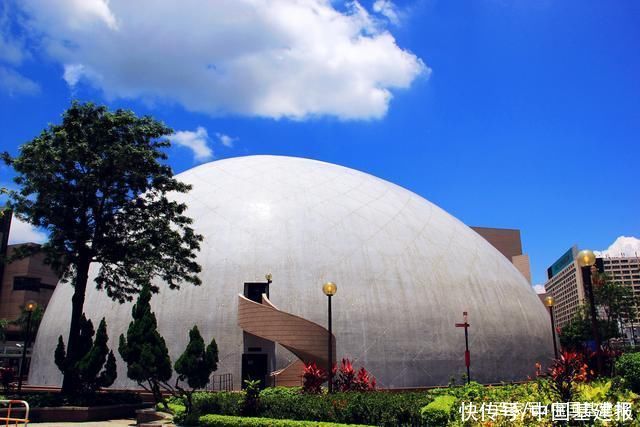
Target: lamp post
[29,307]
[330,290]
[587,259]
[550,302]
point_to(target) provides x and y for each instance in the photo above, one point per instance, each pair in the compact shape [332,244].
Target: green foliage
[377,408]
[618,301]
[438,412]
[251,397]
[144,349]
[98,183]
[88,371]
[195,365]
[628,366]
[230,421]
[281,404]
[578,331]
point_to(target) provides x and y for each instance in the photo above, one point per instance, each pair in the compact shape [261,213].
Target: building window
[26,284]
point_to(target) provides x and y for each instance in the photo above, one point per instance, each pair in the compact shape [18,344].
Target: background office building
[27,279]
[508,242]
[566,286]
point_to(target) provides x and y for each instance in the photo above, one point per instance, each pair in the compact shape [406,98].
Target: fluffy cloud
[387,9]
[539,289]
[623,246]
[226,140]
[22,232]
[269,58]
[197,141]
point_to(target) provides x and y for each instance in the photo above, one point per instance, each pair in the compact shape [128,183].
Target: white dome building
[405,270]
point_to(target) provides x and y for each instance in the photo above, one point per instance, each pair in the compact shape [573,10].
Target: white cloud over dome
[269,58]
[197,141]
[624,246]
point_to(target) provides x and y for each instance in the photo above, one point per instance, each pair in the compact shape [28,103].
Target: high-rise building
[566,286]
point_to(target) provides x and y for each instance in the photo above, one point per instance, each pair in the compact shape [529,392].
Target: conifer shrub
[94,355]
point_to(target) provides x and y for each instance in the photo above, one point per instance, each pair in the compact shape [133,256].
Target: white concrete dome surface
[405,270]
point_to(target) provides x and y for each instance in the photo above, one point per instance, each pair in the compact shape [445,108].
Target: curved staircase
[306,339]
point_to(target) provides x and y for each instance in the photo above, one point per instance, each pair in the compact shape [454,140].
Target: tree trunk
[70,383]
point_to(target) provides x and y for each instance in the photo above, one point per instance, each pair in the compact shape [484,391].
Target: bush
[312,378]
[348,379]
[376,408]
[229,421]
[628,366]
[437,413]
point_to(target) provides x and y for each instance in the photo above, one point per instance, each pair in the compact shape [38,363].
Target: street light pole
[550,302]
[29,307]
[330,290]
[586,259]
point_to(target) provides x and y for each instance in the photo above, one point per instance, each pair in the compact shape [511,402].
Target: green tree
[195,366]
[144,349]
[98,184]
[578,331]
[95,355]
[616,300]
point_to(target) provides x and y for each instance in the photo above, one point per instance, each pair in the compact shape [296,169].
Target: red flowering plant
[347,379]
[566,372]
[312,378]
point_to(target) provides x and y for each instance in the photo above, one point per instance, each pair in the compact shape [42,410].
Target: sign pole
[467,355]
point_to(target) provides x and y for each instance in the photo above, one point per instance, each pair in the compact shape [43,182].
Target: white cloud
[623,247]
[387,9]
[13,83]
[196,141]
[226,140]
[269,58]
[539,289]
[73,73]
[22,232]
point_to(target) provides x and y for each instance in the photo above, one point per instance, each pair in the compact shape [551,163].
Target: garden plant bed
[84,413]
[56,407]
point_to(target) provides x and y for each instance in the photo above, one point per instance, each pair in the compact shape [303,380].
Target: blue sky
[511,114]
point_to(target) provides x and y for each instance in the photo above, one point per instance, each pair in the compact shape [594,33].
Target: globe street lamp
[587,259]
[330,290]
[550,302]
[29,307]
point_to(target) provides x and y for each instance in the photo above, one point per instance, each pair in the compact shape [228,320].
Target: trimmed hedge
[231,421]
[437,413]
[628,366]
[374,408]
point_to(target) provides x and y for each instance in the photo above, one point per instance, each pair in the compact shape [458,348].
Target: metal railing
[220,382]
[7,418]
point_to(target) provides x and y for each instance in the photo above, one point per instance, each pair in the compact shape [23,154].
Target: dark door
[254,367]
[254,291]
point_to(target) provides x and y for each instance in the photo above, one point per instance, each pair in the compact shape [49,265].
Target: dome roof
[405,270]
